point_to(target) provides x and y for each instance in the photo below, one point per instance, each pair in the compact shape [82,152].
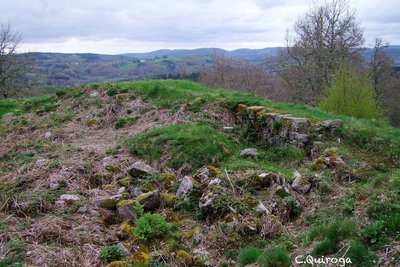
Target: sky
[128,26]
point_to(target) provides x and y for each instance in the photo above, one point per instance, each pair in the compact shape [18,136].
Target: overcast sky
[122,26]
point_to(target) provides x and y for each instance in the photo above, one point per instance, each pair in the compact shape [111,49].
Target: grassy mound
[197,145]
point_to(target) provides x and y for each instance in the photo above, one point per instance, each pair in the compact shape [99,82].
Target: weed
[249,255]
[276,257]
[151,225]
[111,253]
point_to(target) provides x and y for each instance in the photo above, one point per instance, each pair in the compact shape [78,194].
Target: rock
[316,149]
[118,264]
[207,200]
[332,123]
[265,178]
[249,152]
[150,200]
[54,185]
[121,190]
[126,211]
[123,249]
[204,174]
[69,199]
[228,129]
[214,181]
[94,94]
[330,151]
[139,169]
[48,135]
[185,186]
[302,184]
[184,257]
[261,208]
[82,209]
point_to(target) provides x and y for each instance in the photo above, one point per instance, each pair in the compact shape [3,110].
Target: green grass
[249,255]
[8,105]
[197,145]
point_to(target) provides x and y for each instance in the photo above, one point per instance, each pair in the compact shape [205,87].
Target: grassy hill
[154,173]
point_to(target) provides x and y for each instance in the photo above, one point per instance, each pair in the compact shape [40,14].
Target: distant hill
[62,70]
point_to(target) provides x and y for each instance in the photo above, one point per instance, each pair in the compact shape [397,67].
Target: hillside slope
[171,173]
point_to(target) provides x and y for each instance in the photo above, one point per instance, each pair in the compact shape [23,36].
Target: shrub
[276,257]
[293,206]
[151,225]
[249,255]
[351,94]
[111,253]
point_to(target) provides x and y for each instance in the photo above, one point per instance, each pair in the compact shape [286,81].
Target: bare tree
[235,74]
[325,38]
[381,67]
[13,66]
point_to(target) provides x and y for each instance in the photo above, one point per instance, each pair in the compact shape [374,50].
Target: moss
[168,199]
[140,258]
[214,171]
[91,122]
[118,264]
[108,204]
[125,202]
[113,168]
[304,181]
[331,151]
[125,182]
[193,232]
[184,257]
[167,179]
[172,217]
[127,231]
[318,164]
[122,97]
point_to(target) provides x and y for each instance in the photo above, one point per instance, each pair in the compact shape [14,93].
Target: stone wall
[283,129]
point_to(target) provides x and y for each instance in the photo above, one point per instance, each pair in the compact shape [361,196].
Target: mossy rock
[140,258]
[318,164]
[91,122]
[108,204]
[118,264]
[255,109]
[168,199]
[150,200]
[184,257]
[331,151]
[240,108]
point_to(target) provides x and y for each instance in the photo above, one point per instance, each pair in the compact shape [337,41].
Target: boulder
[332,123]
[139,169]
[185,186]
[302,184]
[150,200]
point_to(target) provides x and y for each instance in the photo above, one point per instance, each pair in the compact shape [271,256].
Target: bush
[151,225]
[293,206]
[249,255]
[111,253]
[276,257]
[351,94]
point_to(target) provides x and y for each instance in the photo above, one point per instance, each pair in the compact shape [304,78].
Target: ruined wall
[283,129]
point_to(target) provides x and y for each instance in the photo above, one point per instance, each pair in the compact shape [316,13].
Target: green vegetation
[151,225]
[111,253]
[249,255]
[276,257]
[197,145]
[351,94]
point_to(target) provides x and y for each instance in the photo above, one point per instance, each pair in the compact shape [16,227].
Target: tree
[381,67]
[351,94]
[13,66]
[325,37]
